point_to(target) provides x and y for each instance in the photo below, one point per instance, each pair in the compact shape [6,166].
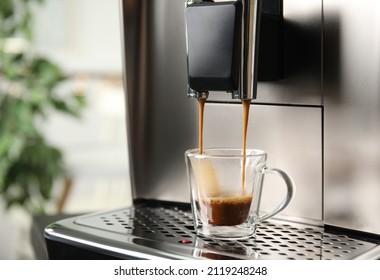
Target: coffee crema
[226,211]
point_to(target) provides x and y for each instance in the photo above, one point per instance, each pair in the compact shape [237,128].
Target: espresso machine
[311,69]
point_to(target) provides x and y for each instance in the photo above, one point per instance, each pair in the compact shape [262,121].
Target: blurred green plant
[29,165]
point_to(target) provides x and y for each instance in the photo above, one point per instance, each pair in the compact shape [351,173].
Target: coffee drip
[246,105]
[201,108]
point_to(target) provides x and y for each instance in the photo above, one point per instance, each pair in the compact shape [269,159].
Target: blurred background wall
[83,37]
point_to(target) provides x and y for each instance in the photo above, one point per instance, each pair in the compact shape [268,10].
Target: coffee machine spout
[222,47]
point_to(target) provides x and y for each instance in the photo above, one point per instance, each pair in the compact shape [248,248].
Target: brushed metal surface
[302,56]
[146,232]
[161,121]
[292,137]
[352,114]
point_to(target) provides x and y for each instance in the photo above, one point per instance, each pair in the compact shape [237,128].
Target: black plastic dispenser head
[222,47]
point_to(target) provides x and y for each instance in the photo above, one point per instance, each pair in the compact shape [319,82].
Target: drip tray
[151,232]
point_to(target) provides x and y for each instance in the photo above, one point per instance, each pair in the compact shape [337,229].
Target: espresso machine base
[160,230]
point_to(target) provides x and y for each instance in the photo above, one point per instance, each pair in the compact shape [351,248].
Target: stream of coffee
[246,104]
[201,107]
[219,210]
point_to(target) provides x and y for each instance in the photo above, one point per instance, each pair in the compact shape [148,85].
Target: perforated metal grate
[273,240]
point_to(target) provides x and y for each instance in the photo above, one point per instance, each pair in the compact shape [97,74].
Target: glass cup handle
[290,185]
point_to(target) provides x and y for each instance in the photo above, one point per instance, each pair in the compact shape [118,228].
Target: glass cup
[226,187]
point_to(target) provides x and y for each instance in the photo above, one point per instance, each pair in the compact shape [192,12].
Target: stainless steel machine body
[352,114]
[285,119]
[318,122]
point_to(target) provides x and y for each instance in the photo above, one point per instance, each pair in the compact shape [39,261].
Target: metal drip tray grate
[170,233]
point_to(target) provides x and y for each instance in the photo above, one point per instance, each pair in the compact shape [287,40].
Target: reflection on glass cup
[226,187]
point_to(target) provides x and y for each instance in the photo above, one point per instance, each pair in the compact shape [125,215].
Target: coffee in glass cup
[225,206]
